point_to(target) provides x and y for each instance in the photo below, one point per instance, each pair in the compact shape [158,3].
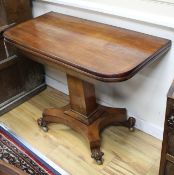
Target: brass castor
[131,124]
[42,124]
[97,155]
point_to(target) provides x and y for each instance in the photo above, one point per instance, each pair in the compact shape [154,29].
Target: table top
[100,51]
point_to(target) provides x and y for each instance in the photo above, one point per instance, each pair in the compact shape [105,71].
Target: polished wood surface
[81,47]
[99,51]
[167,153]
[108,116]
[126,153]
[86,116]
[82,96]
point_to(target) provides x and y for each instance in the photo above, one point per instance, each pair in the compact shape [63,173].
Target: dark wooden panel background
[167,153]
[20,78]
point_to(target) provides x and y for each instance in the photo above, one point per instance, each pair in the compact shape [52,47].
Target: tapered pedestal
[86,116]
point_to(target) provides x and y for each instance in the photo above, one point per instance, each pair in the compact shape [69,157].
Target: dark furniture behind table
[167,154]
[20,78]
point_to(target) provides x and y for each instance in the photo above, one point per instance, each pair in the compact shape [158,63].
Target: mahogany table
[86,51]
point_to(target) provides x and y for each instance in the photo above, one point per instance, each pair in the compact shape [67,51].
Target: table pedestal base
[108,116]
[85,116]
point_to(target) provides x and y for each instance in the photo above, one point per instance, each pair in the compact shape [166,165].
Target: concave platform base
[109,116]
[85,116]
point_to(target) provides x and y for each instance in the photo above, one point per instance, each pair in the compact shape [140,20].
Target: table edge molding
[98,76]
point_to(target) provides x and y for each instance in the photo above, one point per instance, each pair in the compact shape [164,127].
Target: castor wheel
[45,129]
[42,124]
[97,156]
[131,124]
[132,129]
[100,162]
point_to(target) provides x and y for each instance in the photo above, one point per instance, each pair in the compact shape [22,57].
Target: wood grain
[86,116]
[167,153]
[82,96]
[99,51]
[125,153]
[16,71]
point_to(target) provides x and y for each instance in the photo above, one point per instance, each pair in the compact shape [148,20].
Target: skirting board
[142,125]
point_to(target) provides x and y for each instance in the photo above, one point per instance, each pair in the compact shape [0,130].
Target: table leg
[85,116]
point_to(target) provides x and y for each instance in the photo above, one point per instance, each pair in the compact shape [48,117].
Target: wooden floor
[125,153]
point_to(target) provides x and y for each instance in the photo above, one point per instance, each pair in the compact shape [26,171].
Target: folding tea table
[86,51]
